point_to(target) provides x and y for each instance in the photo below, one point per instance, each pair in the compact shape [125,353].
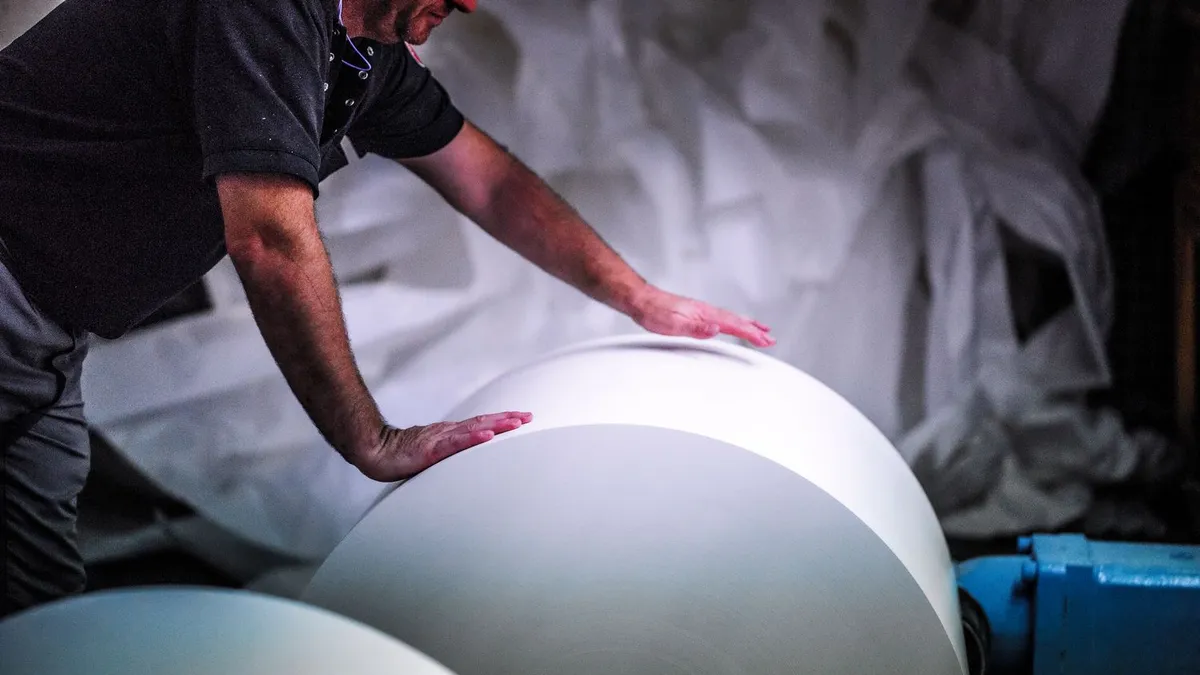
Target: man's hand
[403,453]
[667,314]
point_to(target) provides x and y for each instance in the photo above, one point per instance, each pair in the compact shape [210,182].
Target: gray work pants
[44,452]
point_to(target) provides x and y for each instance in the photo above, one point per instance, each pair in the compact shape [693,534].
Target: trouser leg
[44,453]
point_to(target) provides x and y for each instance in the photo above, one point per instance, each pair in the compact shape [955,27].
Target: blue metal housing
[1069,606]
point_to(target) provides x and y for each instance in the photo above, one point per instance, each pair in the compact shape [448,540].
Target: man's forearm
[530,218]
[290,285]
[489,185]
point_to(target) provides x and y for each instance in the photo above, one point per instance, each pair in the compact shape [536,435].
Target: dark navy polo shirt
[116,115]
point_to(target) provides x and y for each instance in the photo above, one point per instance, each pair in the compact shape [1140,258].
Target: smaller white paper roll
[193,631]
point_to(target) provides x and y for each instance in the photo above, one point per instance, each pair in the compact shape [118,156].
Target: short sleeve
[258,73]
[413,116]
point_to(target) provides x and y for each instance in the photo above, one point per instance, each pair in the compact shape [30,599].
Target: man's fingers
[454,443]
[501,426]
[746,329]
[454,438]
[512,414]
[481,429]
[739,328]
[468,439]
[703,330]
[506,421]
[754,335]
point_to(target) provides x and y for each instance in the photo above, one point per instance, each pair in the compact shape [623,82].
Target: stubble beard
[412,27]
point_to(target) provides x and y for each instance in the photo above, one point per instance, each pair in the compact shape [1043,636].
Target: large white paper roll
[676,506]
[194,631]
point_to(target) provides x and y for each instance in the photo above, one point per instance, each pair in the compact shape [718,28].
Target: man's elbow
[266,216]
[272,245]
[246,248]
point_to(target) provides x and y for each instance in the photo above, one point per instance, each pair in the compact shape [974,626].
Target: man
[143,140]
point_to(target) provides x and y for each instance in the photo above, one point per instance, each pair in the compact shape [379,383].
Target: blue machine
[1066,605]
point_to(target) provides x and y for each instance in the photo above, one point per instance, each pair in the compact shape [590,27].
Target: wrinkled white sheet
[1011,415]
[805,162]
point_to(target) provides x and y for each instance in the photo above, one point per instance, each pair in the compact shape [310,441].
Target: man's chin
[417,37]
[417,32]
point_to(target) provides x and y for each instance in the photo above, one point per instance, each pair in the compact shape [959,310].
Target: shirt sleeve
[414,116]
[258,72]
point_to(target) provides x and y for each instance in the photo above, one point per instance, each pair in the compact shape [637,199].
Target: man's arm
[272,238]
[498,192]
[271,235]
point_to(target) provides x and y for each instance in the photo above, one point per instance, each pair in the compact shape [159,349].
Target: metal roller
[676,506]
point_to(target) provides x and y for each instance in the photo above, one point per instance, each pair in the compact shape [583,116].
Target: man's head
[392,21]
